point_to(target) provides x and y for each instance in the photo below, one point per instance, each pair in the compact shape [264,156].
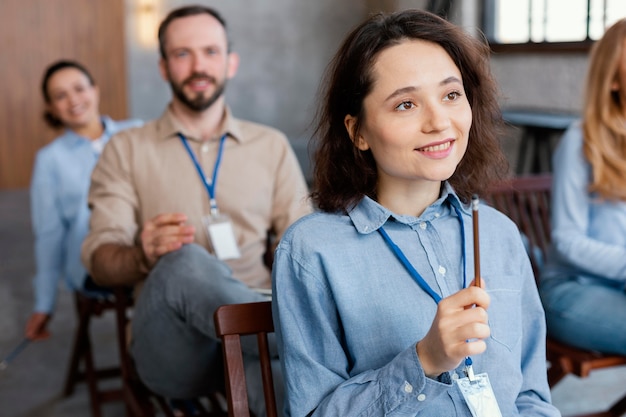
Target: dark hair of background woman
[53,121]
[343,174]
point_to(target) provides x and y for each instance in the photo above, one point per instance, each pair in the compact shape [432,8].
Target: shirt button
[455,376]
[423,226]
[408,388]
[442,270]
[421,397]
[437,215]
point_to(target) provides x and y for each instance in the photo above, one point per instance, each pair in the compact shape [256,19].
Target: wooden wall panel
[33,33]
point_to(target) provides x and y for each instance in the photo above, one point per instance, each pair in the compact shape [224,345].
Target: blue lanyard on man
[417,277]
[208,184]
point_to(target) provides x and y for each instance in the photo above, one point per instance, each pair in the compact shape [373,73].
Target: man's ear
[233,64]
[350,123]
[163,69]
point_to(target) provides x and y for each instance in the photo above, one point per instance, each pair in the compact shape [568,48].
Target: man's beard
[199,102]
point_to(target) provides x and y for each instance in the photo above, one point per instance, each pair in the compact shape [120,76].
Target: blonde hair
[604,123]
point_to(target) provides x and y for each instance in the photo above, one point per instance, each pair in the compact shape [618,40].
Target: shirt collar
[168,126]
[368,216]
[72,138]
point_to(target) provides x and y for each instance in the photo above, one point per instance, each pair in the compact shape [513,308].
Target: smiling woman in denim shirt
[583,281]
[59,185]
[407,133]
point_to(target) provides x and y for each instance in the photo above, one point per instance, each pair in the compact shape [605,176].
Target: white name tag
[479,396]
[222,236]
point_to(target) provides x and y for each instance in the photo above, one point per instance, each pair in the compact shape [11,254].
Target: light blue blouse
[588,234]
[60,216]
[348,315]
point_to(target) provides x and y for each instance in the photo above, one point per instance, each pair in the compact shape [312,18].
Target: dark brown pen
[476,240]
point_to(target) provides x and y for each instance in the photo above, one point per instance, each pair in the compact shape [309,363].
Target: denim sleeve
[316,365]
[49,231]
[571,204]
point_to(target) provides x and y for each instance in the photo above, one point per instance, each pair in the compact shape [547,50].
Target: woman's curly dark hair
[343,174]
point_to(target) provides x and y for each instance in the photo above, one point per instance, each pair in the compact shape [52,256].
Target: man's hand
[163,234]
[36,327]
[458,330]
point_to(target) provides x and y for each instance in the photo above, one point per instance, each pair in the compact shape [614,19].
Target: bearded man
[182,209]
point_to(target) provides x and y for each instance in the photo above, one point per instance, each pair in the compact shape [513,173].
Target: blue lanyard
[413,272]
[209,185]
[416,275]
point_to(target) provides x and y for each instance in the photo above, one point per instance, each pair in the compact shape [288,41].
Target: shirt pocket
[505,317]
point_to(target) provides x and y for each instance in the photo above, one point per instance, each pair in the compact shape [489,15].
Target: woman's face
[417,117]
[73,99]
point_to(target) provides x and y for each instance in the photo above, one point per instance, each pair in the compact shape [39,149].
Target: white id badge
[479,396]
[222,236]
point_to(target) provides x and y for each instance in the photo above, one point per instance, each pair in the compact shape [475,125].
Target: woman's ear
[350,123]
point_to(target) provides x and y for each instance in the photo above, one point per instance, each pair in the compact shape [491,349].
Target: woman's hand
[37,326]
[458,330]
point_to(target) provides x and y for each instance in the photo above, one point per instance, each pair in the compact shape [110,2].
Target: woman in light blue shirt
[583,281]
[59,185]
[373,305]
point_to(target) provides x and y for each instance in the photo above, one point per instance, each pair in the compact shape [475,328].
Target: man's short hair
[184,12]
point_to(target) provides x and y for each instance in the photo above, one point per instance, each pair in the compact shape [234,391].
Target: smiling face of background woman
[73,99]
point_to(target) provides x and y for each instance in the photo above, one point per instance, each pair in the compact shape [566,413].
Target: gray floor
[33,381]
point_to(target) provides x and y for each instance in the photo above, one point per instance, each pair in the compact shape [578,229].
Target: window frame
[488,25]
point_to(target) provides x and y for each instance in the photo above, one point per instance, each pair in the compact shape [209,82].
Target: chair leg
[82,353]
[91,378]
[73,372]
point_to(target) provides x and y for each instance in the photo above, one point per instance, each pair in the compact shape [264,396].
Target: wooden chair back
[526,200]
[231,322]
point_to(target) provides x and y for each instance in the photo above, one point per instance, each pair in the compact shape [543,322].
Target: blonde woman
[583,281]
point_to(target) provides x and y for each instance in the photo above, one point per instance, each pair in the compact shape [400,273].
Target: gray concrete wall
[541,81]
[284,46]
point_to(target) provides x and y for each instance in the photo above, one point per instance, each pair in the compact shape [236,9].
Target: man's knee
[190,261]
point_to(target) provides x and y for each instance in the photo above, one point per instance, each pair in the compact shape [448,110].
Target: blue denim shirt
[588,234]
[60,216]
[348,315]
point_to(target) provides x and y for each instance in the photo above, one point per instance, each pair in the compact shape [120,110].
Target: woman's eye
[405,105]
[453,95]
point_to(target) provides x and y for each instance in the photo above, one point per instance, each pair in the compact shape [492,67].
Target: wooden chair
[526,200]
[231,322]
[82,354]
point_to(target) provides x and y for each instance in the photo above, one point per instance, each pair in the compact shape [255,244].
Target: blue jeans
[585,315]
[174,346]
